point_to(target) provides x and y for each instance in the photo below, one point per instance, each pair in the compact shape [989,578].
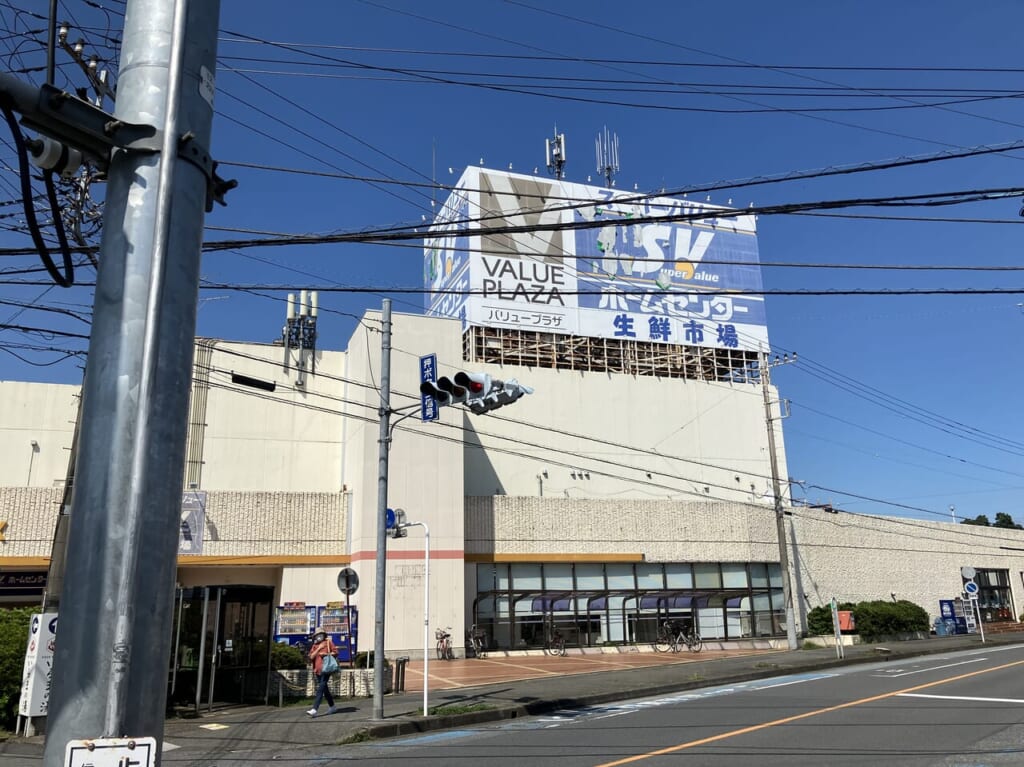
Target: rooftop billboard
[516,251]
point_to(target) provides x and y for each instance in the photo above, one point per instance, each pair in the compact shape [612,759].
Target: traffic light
[465,387]
[499,394]
[478,391]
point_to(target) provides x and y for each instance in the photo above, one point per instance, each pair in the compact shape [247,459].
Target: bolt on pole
[382,509]
[111,660]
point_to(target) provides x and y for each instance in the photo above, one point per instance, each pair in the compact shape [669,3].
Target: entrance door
[222,645]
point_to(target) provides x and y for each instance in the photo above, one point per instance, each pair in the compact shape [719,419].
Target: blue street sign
[428,372]
[971,587]
[389,518]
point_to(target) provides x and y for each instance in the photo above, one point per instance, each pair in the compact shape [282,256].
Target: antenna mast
[607,145]
[554,149]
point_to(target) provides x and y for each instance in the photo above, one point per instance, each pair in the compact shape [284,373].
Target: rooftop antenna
[607,145]
[554,149]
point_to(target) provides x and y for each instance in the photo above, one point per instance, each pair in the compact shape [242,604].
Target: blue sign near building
[428,372]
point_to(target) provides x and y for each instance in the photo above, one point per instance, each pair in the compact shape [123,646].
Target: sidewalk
[509,687]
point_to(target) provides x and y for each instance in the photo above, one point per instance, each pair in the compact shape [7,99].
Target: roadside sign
[111,752]
[38,668]
[348,581]
[389,518]
[972,589]
[428,372]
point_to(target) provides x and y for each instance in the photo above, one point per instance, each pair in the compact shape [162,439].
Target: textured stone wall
[237,523]
[660,530]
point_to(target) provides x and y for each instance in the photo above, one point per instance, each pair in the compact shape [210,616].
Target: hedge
[875,619]
[14,623]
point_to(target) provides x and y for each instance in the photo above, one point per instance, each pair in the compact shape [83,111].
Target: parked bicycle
[555,642]
[444,643]
[674,635]
[477,638]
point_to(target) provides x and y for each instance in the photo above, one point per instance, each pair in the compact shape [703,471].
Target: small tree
[981,521]
[1005,521]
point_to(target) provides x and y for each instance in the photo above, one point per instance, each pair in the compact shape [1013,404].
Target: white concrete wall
[44,413]
[623,436]
[286,440]
[425,479]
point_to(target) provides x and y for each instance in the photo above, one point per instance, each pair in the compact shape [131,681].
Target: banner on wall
[590,261]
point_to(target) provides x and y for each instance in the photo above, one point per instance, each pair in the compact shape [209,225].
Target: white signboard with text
[36,677]
[596,262]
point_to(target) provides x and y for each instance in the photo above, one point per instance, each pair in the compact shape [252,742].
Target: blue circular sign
[971,587]
[389,518]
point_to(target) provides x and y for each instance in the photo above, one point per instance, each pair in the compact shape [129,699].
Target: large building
[633,484]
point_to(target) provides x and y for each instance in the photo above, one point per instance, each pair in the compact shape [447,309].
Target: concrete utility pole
[780,516]
[110,669]
[382,509]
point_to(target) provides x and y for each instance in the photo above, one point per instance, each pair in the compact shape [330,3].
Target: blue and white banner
[656,269]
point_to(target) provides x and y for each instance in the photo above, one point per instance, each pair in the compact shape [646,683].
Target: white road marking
[961,697]
[930,668]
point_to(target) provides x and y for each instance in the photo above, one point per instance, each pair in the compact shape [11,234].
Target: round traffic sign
[971,587]
[389,518]
[968,572]
[348,581]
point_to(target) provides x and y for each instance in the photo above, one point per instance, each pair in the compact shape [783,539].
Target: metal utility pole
[382,508]
[110,667]
[780,516]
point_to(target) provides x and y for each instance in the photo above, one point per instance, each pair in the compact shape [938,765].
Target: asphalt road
[957,710]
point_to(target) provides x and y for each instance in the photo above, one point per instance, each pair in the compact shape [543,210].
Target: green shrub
[880,618]
[14,623]
[819,620]
[875,619]
[283,656]
[365,660]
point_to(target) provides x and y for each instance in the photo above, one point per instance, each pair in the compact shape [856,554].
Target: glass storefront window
[734,575]
[590,576]
[501,578]
[491,577]
[678,575]
[759,575]
[526,577]
[650,576]
[707,575]
[620,577]
[557,577]
[775,574]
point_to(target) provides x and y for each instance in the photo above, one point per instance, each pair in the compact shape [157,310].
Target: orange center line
[797,717]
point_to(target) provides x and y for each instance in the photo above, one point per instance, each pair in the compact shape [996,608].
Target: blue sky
[907,399]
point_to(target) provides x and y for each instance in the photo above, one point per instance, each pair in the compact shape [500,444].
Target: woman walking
[322,648]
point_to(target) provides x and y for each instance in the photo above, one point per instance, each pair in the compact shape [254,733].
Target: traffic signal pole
[114,635]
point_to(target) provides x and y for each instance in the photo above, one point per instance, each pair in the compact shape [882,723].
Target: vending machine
[294,623]
[341,622]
